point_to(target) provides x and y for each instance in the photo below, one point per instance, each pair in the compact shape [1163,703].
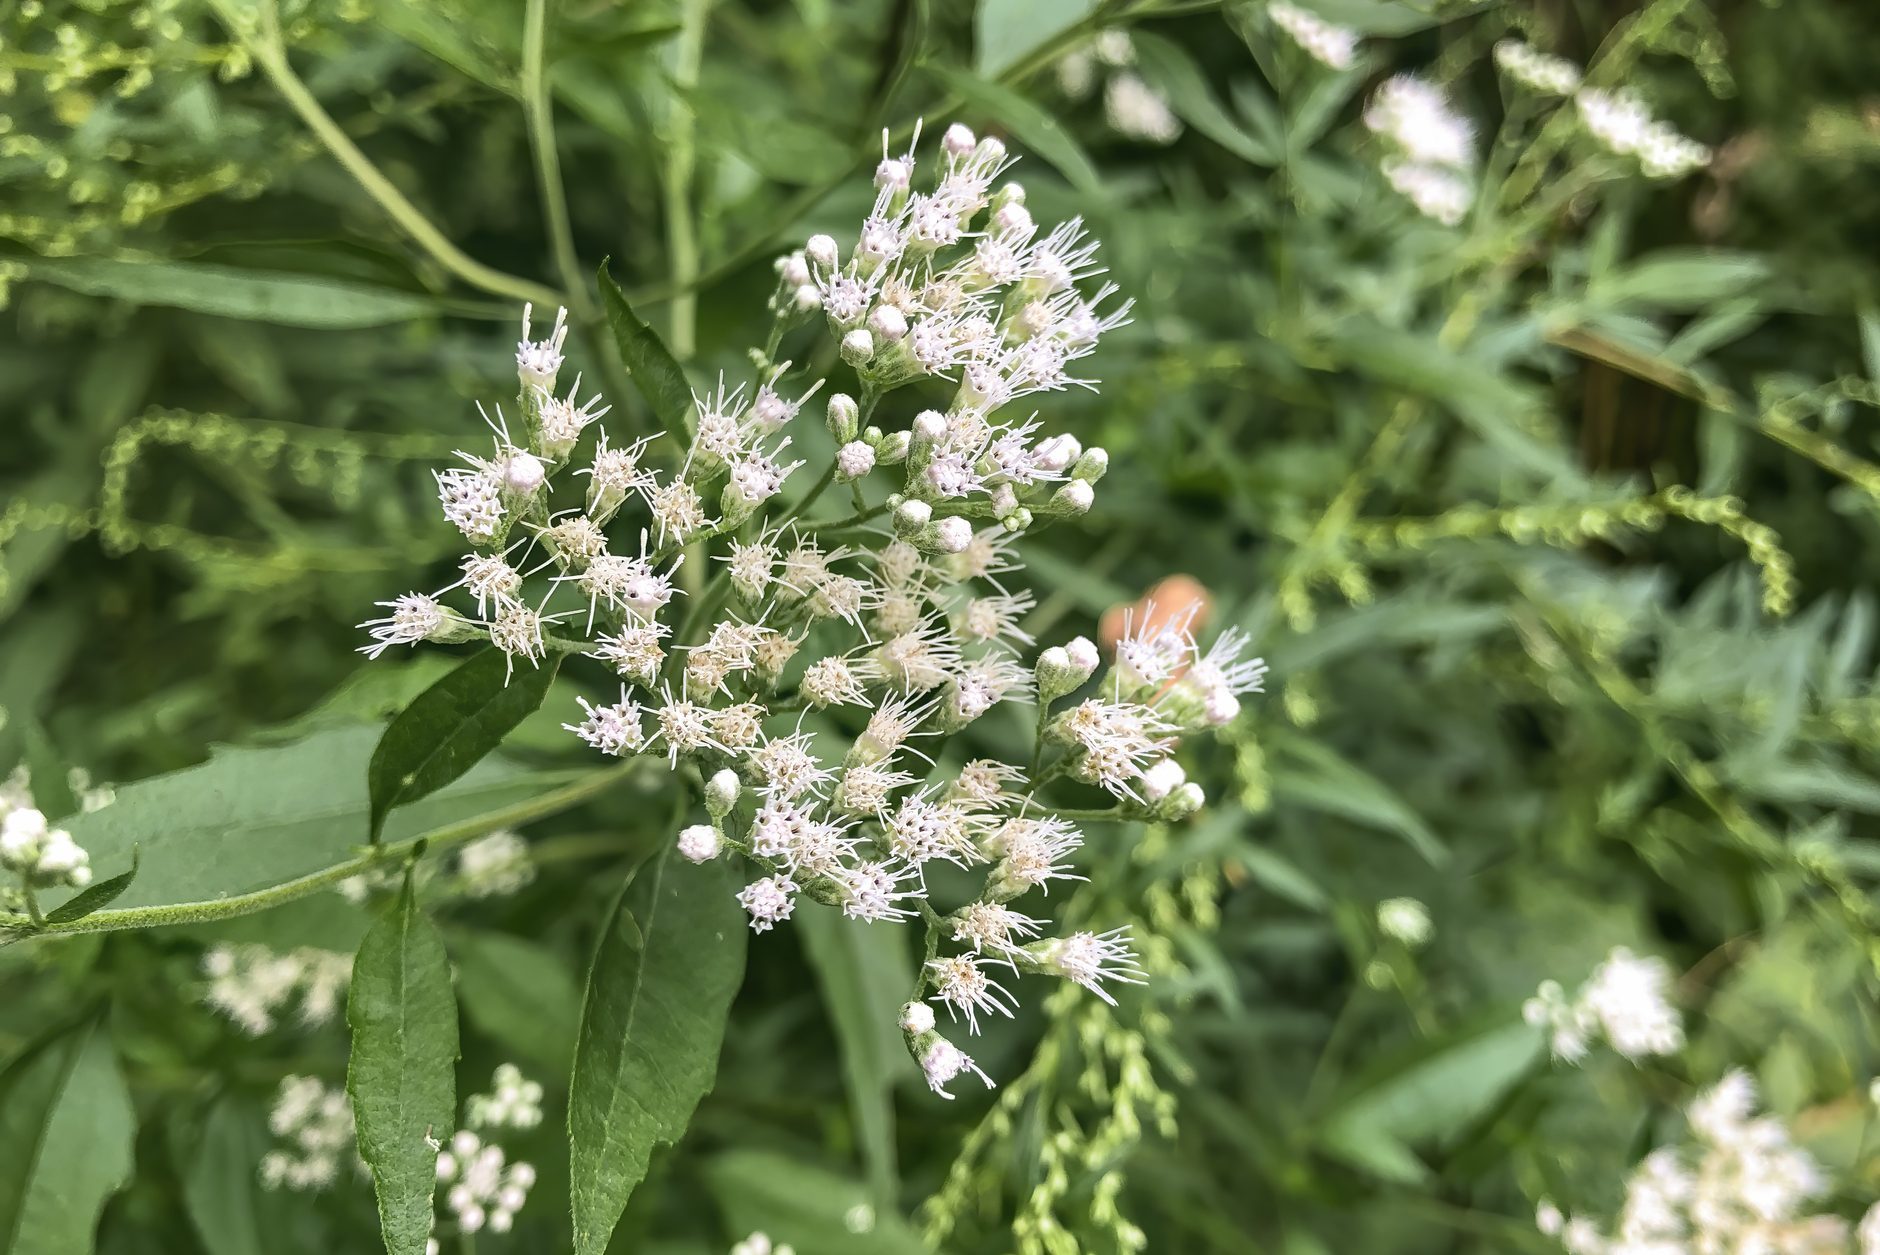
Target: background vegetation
[1558,528]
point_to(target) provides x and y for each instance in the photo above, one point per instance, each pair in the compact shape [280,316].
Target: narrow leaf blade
[96,897]
[653,368]
[402,1077]
[66,1128]
[664,974]
[451,726]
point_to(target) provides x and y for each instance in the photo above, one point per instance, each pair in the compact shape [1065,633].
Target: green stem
[854,520]
[541,121]
[809,498]
[681,163]
[271,56]
[580,790]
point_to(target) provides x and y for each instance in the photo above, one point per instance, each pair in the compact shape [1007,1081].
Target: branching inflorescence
[811,675]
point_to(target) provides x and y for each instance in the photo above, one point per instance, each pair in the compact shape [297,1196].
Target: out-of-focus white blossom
[760,1244]
[514,1102]
[494,865]
[253,985]
[43,857]
[1626,1001]
[313,1127]
[1414,116]
[1406,920]
[1536,70]
[1622,121]
[482,1189]
[1326,42]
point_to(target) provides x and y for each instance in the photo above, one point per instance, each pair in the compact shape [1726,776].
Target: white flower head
[539,361]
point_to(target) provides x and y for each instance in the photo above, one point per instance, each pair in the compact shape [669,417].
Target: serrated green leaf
[864,973]
[650,364]
[452,726]
[519,994]
[290,300]
[651,1026]
[66,1128]
[252,819]
[1032,126]
[402,1077]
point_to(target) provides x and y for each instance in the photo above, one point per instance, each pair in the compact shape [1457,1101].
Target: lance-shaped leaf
[664,974]
[66,1128]
[96,897]
[402,1078]
[451,726]
[653,368]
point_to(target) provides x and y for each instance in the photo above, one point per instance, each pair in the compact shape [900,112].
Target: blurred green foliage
[1558,529]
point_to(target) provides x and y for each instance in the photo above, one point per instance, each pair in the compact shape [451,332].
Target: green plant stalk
[681,164]
[271,56]
[590,784]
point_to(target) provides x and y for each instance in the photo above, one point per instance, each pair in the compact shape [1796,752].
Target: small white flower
[1412,113]
[699,843]
[1135,109]
[494,865]
[513,1102]
[615,729]
[539,361]
[943,1062]
[769,901]
[1329,44]
[315,1123]
[1404,919]
[1090,958]
[916,1018]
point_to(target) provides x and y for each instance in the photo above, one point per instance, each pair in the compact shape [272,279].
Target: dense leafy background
[1485,499]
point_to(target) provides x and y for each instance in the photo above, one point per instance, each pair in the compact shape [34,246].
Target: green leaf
[66,1128]
[1033,127]
[1311,774]
[51,784]
[664,974]
[865,974]
[519,994]
[219,1183]
[95,897]
[1169,68]
[1429,1095]
[402,1077]
[654,370]
[1679,279]
[290,300]
[1005,32]
[808,1207]
[451,726]
[253,819]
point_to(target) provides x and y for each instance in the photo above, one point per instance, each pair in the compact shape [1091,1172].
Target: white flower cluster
[1536,70]
[1406,920]
[1623,122]
[1326,42]
[514,1102]
[909,628]
[1130,105]
[316,1122]
[494,865]
[42,856]
[1739,1184]
[250,983]
[1434,146]
[482,1189]
[1626,1001]
[760,1244]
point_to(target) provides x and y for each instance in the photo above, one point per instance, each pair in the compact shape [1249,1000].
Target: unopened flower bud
[916,1018]
[1161,779]
[1076,497]
[911,516]
[1012,193]
[857,347]
[1083,655]
[928,426]
[854,460]
[1017,521]
[1052,455]
[1091,466]
[990,151]
[1004,501]
[892,174]
[1013,218]
[821,250]
[699,843]
[844,414]
[1058,673]
[807,297]
[523,473]
[888,323]
[721,793]
[952,535]
[958,141]
[893,448]
[1181,803]
[793,268]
